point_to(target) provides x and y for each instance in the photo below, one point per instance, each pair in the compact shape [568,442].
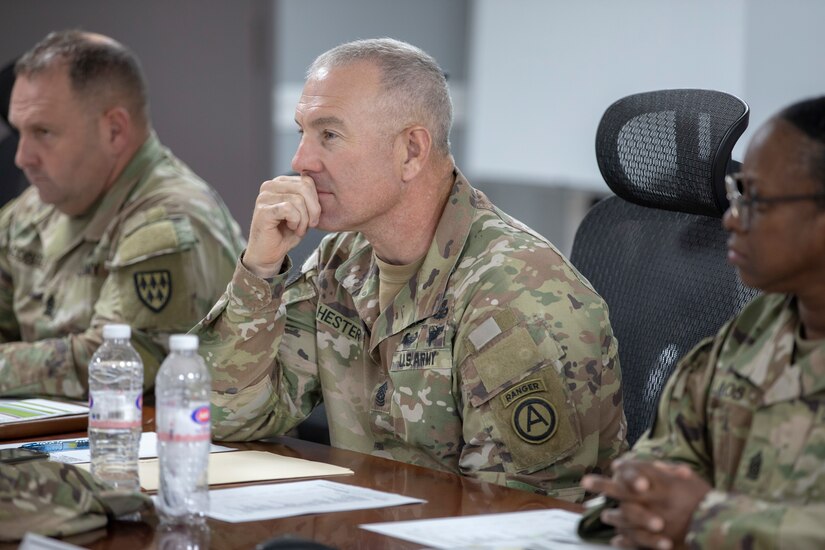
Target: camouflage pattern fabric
[746,411]
[496,360]
[58,500]
[155,252]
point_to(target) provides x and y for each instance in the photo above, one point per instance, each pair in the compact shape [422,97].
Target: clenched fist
[285,208]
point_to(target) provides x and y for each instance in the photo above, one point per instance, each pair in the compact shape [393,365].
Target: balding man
[437,330]
[114,229]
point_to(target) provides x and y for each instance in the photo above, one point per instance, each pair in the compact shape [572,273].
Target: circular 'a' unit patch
[535,420]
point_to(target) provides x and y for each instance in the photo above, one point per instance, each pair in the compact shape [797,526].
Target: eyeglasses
[741,208]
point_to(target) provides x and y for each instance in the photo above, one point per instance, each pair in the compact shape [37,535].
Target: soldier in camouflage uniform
[114,228]
[735,457]
[437,330]
[59,500]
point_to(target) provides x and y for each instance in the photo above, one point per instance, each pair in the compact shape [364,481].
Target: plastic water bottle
[184,432]
[181,536]
[115,409]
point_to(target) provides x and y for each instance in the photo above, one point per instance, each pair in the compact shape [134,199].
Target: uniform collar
[424,295]
[67,231]
[771,365]
[149,154]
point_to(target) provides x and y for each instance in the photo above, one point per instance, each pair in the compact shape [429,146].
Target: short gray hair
[415,86]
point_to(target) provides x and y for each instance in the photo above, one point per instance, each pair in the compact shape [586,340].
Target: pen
[55,446]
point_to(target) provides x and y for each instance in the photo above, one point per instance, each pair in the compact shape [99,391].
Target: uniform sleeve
[729,520]
[9,329]
[723,519]
[676,433]
[540,383]
[165,273]
[259,343]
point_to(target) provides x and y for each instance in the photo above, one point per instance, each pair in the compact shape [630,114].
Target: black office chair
[316,426]
[656,252]
[12,179]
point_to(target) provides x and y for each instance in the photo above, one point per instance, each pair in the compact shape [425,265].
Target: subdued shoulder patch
[534,420]
[154,288]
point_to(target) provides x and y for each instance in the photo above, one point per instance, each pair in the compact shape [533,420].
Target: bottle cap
[119,332]
[183,342]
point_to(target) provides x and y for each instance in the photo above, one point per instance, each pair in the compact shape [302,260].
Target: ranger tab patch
[154,288]
[521,390]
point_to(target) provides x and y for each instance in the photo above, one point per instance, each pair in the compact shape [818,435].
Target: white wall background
[541,72]
[784,47]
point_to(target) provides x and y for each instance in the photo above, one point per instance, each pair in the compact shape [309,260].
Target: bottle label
[115,410]
[189,424]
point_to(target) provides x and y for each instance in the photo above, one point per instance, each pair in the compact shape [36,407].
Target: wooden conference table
[446,495]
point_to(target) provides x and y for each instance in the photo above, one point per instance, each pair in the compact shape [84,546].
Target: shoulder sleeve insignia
[534,420]
[154,288]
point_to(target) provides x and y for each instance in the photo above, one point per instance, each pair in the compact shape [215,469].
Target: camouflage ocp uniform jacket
[59,500]
[497,360]
[747,412]
[155,253]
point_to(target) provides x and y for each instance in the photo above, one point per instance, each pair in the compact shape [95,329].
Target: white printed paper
[21,410]
[32,541]
[281,500]
[534,530]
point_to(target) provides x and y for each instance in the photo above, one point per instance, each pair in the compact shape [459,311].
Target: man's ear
[416,145]
[116,128]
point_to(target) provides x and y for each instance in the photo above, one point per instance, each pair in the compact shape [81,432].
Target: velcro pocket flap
[154,238]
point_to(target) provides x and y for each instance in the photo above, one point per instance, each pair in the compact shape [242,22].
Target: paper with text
[534,530]
[22,410]
[281,500]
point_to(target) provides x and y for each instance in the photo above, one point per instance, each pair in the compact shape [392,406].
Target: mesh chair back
[656,252]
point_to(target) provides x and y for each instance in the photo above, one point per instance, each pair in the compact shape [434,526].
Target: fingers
[641,539]
[621,541]
[636,527]
[633,477]
[289,209]
[622,486]
[604,485]
[674,468]
[285,209]
[310,194]
[633,516]
[292,199]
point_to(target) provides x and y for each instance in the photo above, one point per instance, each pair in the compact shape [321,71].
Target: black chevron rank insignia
[154,288]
